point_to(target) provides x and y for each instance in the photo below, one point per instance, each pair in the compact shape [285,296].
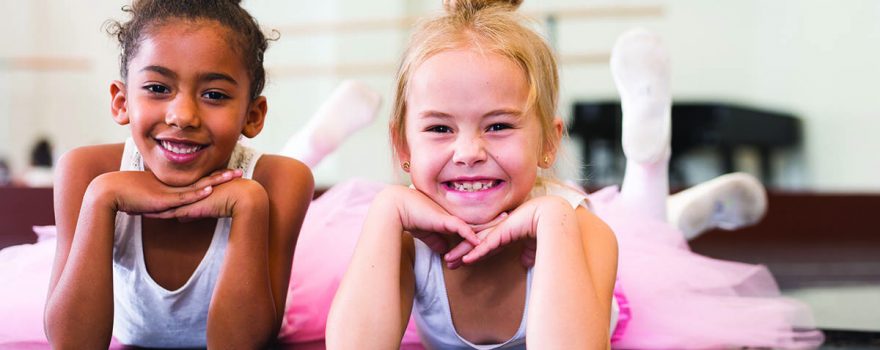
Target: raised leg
[352,106]
[727,202]
[640,67]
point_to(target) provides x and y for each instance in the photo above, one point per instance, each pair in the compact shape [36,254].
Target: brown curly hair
[146,15]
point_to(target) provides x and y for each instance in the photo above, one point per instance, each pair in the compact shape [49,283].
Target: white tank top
[145,313]
[432,314]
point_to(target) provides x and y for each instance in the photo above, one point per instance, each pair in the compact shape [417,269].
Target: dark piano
[720,127]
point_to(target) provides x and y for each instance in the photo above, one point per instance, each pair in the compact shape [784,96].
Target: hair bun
[453,6]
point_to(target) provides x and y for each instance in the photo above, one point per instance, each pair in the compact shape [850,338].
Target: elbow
[252,333]
[255,339]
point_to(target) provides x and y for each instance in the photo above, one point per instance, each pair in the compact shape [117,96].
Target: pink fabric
[24,283]
[682,300]
[677,299]
[324,249]
[623,316]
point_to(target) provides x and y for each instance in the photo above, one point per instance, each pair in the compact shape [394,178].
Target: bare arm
[79,306]
[291,187]
[88,194]
[248,303]
[374,299]
[575,265]
[600,247]
[242,311]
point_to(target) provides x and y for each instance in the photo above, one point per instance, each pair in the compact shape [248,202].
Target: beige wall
[809,57]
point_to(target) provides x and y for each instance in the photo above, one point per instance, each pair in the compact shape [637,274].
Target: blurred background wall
[813,59]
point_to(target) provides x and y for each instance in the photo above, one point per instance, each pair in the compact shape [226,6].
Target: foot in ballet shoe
[352,106]
[640,67]
[727,202]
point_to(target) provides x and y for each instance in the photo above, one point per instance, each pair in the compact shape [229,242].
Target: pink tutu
[679,299]
[676,299]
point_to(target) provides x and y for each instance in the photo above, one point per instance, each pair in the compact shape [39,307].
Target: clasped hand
[428,222]
[141,193]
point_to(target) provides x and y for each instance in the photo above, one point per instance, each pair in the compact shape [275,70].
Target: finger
[218,177]
[166,214]
[464,230]
[483,236]
[527,261]
[183,213]
[498,219]
[458,251]
[452,265]
[492,241]
[188,197]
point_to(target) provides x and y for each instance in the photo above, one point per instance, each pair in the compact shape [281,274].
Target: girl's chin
[176,180]
[472,218]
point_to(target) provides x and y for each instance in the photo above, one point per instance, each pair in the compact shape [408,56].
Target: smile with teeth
[472,186]
[180,148]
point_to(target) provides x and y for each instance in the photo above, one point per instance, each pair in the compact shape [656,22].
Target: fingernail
[207,189]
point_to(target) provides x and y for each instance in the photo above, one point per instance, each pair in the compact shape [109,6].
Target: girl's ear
[552,146]
[403,156]
[256,116]
[118,102]
[559,129]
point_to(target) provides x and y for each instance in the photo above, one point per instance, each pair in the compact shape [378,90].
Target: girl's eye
[439,129]
[499,127]
[214,95]
[157,89]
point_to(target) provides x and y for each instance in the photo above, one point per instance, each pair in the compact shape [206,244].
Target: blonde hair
[491,25]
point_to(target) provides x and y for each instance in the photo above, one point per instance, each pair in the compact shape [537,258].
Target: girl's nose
[469,151]
[183,113]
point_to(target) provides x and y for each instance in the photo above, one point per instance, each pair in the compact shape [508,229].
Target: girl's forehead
[201,30]
[185,44]
[465,79]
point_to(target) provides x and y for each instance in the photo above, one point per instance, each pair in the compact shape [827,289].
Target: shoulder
[284,177]
[85,163]
[595,231]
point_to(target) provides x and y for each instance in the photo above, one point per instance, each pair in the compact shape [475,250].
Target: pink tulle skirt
[674,298]
[679,299]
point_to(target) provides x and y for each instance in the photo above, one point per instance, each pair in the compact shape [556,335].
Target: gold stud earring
[405,166]
[547,159]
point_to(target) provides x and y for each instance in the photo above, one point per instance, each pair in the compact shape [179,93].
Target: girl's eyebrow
[204,77]
[209,77]
[161,70]
[493,113]
[434,114]
[504,111]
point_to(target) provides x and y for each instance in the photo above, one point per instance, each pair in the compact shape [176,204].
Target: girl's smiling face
[187,100]
[472,146]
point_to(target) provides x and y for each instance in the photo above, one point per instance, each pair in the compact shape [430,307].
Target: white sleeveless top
[145,313]
[432,314]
